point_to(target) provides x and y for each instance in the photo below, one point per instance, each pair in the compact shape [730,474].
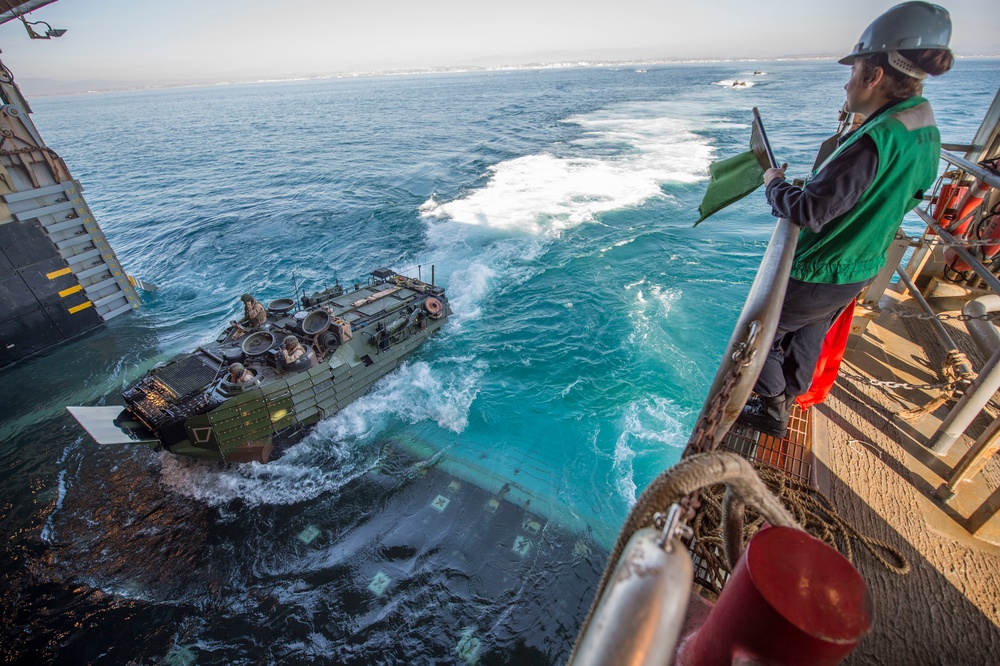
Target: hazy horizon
[111,44]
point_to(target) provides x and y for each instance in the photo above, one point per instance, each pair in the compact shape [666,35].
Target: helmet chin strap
[901,64]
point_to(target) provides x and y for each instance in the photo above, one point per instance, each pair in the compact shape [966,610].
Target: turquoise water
[555,205]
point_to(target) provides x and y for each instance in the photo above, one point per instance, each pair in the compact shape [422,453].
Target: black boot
[768,415]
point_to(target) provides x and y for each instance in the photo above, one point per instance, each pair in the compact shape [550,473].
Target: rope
[810,508]
[957,371]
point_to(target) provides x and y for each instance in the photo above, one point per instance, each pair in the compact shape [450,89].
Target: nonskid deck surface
[874,464]
[866,449]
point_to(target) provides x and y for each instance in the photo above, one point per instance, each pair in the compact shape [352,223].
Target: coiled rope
[810,508]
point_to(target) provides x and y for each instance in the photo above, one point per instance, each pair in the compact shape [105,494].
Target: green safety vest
[853,246]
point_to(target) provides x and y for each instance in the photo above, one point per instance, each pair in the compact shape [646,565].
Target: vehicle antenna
[295,284]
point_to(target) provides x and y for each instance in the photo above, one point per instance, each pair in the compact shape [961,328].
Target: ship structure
[244,395]
[59,276]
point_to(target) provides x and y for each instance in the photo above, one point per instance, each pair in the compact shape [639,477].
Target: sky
[143,41]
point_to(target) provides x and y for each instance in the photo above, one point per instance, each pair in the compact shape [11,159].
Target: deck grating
[792,453]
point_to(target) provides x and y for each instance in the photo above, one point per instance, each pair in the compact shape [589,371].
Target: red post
[792,599]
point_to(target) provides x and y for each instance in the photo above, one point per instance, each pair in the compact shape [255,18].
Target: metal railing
[754,329]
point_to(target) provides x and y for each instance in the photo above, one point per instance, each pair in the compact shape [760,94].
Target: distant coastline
[38,88]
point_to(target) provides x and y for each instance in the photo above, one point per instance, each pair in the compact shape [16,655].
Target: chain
[968,242]
[923,315]
[904,385]
[705,429]
[707,424]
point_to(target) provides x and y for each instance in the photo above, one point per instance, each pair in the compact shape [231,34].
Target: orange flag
[830,357]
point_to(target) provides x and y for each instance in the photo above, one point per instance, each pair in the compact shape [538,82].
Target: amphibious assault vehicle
[193,405]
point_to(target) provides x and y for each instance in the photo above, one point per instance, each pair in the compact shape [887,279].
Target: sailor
[253,311]
[239,374]
[852,204]
[291,350]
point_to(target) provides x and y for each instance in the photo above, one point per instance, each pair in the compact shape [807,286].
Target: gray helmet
[246,298]
[911,25]
[237,368]
[290,340]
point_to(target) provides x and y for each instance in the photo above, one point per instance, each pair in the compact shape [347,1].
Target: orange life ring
[433,307]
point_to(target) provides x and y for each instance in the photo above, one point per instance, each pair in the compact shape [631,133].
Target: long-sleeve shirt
[834,189]
[831,193]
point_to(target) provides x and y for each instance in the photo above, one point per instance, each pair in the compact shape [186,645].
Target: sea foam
[651,434]
[623,156]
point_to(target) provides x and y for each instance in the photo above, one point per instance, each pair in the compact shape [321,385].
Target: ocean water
[555,205]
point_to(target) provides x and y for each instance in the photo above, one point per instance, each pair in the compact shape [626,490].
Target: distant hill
[36,87]
[41,87]
[49,87]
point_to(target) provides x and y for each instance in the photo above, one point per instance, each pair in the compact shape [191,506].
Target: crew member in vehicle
[254,314]
[238,374]
[291,350]
[853,203]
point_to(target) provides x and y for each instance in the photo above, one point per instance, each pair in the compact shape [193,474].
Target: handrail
[754,329]
[763,307]
[990,177]
[942,332]
[956,245]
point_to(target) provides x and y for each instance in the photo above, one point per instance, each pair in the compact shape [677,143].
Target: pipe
[939,328]
[971,404]
[965,368]
[973,461]
[990,177]
[639,617]
[984,333]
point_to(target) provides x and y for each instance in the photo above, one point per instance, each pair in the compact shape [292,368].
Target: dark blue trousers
[808,311]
